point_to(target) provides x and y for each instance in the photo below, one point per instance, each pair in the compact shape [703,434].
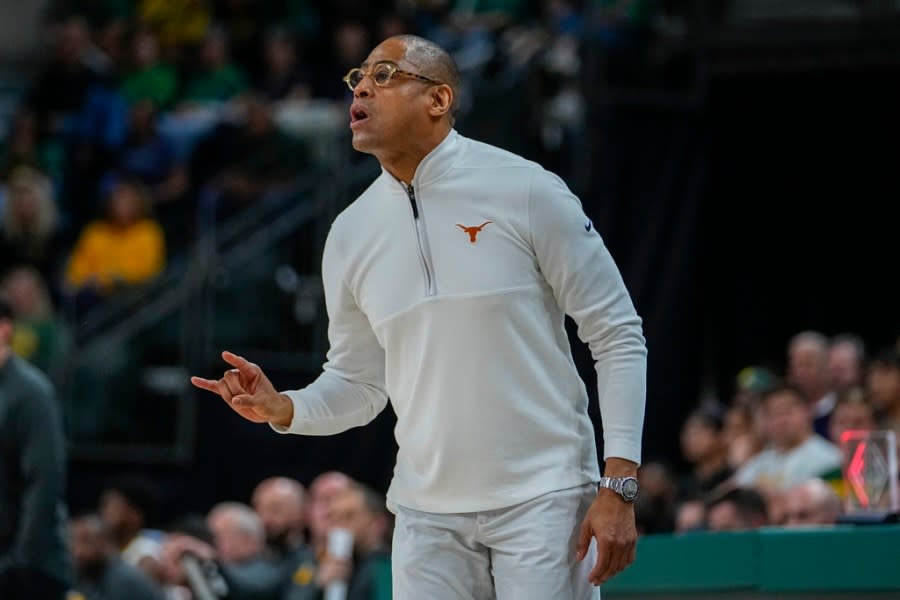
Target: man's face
[788,417]
[848,417]
[844,369]
[725,517]
[807,367]
[321,495]
[280,510]
[87,544]
[699,440]
[385,119]
[348,511]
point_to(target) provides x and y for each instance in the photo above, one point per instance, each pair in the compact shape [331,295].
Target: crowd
[273,546]
[772,455]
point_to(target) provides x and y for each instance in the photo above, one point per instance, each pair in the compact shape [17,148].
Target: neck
[402,164]
[5,353]
[788,445]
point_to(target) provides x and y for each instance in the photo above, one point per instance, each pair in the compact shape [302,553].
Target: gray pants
[522,552]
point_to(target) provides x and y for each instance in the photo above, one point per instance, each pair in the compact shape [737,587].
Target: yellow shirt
[107,254]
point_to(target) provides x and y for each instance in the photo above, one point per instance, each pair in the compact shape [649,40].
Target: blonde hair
[41,188]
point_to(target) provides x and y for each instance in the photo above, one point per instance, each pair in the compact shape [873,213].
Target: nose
[364,88]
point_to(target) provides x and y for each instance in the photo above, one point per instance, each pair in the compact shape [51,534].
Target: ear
[441,100]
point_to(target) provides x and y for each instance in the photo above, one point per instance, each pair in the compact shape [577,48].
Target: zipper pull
[412,199]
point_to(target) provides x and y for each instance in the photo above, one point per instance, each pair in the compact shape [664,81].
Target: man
[238,532]
[446,283]
[127,504]
[737,509]
[322,492]
[795,452]
[280,502]
[807,369]
[361,512]
[100,573]
[812,502]
[34,560]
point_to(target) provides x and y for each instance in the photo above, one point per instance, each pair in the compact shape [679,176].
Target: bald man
[281,502]
[447,283]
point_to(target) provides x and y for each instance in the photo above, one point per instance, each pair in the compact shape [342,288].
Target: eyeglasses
[381,73]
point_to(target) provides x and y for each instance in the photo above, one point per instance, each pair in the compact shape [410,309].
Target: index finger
[206,384]
[239,362]
[604,550]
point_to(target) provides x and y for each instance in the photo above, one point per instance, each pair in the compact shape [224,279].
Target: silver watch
[627,487]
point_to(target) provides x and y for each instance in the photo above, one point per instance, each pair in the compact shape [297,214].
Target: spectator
[795,452]
[738,509]
[217,80]
[846,362]
[362,512]
[30,227]
[126,248]
[280,502]
[127,506]
[658,491]
[179,23]
[703,447]
[61,86]
[23,147]
[883,386]
[807,369]
[150,78]
[322,492]
[238,532]
[852,412]
[690,515]
[41,337]
[812,502]
[34,560]
[283,77]
[99,573]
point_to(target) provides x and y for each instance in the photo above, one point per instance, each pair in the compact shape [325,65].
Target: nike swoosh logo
[588,225]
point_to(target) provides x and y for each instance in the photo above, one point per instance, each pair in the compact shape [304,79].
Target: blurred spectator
[127,506]
[238,532]
[807,369]
[151,158]
[34,560]
[813,502]
[61,86]
[41,337]
[852,412]
[280,503]
[751,383]
[99,573]
[242,163]
[883,386]
[690,515]
[126,248]
[24,147]
[29,232]
[282,76]
[738,509]
[362,512]
[179,23]
[351,45]
[703,447]
[795,452]
[149,78]
[658,490]
[322,492]
[217,79]
[846,362]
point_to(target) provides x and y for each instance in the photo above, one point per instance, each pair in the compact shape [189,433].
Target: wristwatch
[627,487]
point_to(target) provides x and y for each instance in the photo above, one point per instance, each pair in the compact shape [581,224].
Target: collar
[436,163]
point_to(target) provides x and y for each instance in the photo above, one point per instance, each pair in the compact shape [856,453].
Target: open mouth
[357,115]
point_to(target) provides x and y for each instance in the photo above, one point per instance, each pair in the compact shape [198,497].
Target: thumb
[584,539]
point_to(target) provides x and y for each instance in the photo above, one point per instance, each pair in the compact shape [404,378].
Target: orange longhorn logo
[473,231]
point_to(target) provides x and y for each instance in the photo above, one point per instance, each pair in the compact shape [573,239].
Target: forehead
[392,50]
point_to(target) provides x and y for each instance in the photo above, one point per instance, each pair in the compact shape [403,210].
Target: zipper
[421,241]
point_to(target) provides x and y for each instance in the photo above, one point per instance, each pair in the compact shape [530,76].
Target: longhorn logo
[473,231]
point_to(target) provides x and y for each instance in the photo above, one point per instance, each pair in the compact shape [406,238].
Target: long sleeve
[42,468]
[351,390]
[588,286]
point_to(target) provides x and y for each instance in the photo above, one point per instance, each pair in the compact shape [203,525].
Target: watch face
[630,488]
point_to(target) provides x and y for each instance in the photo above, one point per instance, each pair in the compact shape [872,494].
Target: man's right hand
[247,390]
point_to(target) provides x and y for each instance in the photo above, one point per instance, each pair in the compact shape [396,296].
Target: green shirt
[158,83]
[215,86]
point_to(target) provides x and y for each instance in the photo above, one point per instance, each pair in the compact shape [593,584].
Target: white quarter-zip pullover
[448,296]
